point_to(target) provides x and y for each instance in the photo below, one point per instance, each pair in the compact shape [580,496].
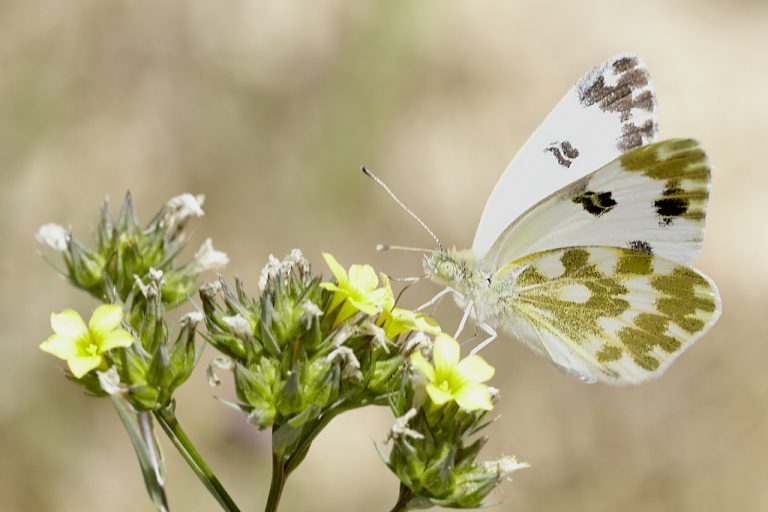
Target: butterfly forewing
[652,199]
[608,112]
[606,313]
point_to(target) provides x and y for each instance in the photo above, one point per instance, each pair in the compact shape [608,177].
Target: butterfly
[584,248]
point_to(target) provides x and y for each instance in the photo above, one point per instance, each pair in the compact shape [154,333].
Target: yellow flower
[451,379]
[396,321]
[357,290]
[83,346]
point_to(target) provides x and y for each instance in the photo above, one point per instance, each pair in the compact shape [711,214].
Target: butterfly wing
[652,199]
[609,111]
[605,313]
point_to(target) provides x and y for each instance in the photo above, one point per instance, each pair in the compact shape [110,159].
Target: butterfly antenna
[380,183]
[387,247]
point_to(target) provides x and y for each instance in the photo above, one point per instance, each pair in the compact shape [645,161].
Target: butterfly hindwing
[606,313]
[651,199]
[608,112]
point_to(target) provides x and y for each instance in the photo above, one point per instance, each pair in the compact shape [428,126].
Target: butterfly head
[449,266]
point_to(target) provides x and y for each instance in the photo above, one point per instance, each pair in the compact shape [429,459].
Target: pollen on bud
[211,288]
[505,466]
[378,338]
[269,271]
[295,259]
[208,258]
[54,236]
[221,363]
[238,325]
[400,428]
[311,311]
[180,208]
[419,341]
[350,366]
[110,382]
[152,288]
[192,319]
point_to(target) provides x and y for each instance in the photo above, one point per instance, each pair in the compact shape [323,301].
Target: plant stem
[306,441]
[283,466]
[402,500]
[279,477]
[176,434]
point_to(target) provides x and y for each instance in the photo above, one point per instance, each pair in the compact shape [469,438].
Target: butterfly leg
[415,279]
[464,318]
[491,336]
[439,297]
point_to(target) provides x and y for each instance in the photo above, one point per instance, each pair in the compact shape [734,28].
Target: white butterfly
[591,269]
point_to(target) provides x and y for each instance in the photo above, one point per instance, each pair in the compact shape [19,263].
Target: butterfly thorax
[469,275]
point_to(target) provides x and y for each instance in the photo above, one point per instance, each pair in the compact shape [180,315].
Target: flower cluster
[125,349]
[119,267]
[300,353]
[307,350]
[443,406]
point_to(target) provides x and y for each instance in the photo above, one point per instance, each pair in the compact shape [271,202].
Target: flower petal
[338,271]
[438,396]
[116,338]
[475,369]
[446,354]
[363,277]
[59,346]
[69,324]
[377,297]
[421,364]
[79,366]
[389,296]
[474,396]
[105,318]
[426,324]
[365,307]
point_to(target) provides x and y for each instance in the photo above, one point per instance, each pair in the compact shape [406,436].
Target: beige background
[269,108]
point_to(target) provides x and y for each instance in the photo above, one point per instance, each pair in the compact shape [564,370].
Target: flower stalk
[166,417]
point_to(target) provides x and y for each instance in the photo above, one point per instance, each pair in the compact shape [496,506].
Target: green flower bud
[119,268]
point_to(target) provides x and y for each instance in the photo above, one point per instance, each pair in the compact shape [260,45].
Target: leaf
[147,451]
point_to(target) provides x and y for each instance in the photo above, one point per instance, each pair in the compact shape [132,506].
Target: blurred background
[270,108]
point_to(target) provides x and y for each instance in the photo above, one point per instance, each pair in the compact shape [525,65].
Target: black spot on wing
[633,136]
[570,151]
[564,152]
[623,86]
[673,204]
[641,246]
[619,97]
[595,203]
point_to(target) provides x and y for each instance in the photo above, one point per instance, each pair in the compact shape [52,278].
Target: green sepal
[159,373]
[127,221]
[282,438]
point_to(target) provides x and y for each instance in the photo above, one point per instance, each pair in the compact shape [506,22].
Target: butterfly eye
[446,270]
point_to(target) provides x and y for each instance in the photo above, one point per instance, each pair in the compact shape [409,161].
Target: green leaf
[147,451]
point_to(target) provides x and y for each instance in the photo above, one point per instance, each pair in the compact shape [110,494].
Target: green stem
[279,477]
[283,466]
[306,441]
[170,424]
[402,500]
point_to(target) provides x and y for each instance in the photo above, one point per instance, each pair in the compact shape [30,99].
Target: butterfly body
[591,269]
